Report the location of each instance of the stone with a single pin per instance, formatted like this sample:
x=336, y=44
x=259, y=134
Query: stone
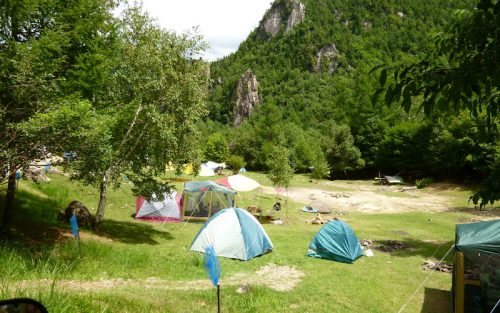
x=245, y=288
x=83, y=214
x=327, y=57
x=247, y=97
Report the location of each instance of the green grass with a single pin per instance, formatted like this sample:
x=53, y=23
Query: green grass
x=135, y=250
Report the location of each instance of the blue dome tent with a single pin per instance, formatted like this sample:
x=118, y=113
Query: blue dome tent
x=335, y=241
x=234, y=233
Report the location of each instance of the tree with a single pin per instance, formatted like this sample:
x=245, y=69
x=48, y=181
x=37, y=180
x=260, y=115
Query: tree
x=342, y=154
x=462, y=73
x=321, y=169
x=41, y=44
x=280, y=173
x=236, y=162
x=216, y=148
x=156, y=92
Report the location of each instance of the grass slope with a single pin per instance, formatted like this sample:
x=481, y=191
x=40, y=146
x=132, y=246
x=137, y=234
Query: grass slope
x=138, y=266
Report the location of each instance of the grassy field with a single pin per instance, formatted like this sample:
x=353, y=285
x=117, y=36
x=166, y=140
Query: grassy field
x=136, y=266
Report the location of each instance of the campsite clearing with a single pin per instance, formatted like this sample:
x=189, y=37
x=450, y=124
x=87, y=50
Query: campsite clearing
x=150, y=268
x=366, y=197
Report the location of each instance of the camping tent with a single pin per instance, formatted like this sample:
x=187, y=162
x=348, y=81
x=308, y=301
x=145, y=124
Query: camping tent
x=335, y=241
x=239, y=183
x=234, y=233
x=206, y=171
x=476, y=276
x=167, y=210
x=202, y=199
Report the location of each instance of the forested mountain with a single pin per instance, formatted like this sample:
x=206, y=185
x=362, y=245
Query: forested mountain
x=305, y=71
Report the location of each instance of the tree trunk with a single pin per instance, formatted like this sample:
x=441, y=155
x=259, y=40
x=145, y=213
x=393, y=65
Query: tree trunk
x=103, y=189
x=9, y=202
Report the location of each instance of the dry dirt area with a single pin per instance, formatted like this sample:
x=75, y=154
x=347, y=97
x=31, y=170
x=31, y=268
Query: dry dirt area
x=371, y=198
x=279, y=278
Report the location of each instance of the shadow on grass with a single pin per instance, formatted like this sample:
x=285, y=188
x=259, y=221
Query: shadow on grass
x=436, y=300
x=34, y=224
x=413, y=247
x=478, y=214
x=132, y=232
x=33, y=221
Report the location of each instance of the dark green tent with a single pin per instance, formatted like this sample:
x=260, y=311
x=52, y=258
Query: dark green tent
x=476, y=277
x=335, y=241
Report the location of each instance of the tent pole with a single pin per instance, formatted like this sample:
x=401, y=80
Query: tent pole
x=218, y=298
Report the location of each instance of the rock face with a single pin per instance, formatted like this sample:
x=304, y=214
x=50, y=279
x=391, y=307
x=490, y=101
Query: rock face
x=247, y=97
x=272, y=23
x=327, y=57
x=288, y=14
x=296, y=16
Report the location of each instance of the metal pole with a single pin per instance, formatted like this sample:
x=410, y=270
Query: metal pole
x=218, y=298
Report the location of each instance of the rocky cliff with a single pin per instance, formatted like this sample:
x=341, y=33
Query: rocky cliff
x=247, y=97
x=282, y=14
x=327, y=58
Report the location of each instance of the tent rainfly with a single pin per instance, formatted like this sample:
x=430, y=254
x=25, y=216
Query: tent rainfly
x=202, y=199
x=167, y=210
x=335, y=241
x=476, y=276
x=234, y=233
x=239, y=183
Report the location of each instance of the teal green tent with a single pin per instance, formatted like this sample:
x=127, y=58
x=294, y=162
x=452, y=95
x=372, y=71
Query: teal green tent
x=335, y=241
x=476, y=276
x=202, y=199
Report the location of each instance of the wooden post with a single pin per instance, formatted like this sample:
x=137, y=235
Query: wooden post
x=459, y=282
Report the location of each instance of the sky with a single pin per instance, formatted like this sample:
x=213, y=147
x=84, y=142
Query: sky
x=224, y=24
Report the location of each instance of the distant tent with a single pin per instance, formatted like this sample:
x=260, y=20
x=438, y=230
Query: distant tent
x=239, y=183
x=335, y=241
x=476, y=276
x=206, y=171
x=214, y=165
x=234, y=233
x=167, y=210
x=243, y=170
x=391, y=180
x=202, y=199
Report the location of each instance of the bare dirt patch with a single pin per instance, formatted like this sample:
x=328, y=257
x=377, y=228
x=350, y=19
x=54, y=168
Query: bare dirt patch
x=279, y=278
x=371, y=198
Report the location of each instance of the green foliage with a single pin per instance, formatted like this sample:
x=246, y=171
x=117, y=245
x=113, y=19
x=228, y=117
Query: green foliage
x=489, y=192
x=342, y=154
x=216, y=148
x=236, y=162
x=462, y=72
x=280, y=173
x=303, y=102
x=321, y=169
x=424, y=182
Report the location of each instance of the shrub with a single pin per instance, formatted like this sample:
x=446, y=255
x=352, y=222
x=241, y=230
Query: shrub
x=424, y=182
x=236, y=162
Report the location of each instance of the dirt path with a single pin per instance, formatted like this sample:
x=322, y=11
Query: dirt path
x=279, y=278
x=369, y=198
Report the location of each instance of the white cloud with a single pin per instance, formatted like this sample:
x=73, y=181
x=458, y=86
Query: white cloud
x=224, y=24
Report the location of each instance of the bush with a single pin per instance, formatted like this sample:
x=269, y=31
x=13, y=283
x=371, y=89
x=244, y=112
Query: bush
x=236, y=162
x=424, y=182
